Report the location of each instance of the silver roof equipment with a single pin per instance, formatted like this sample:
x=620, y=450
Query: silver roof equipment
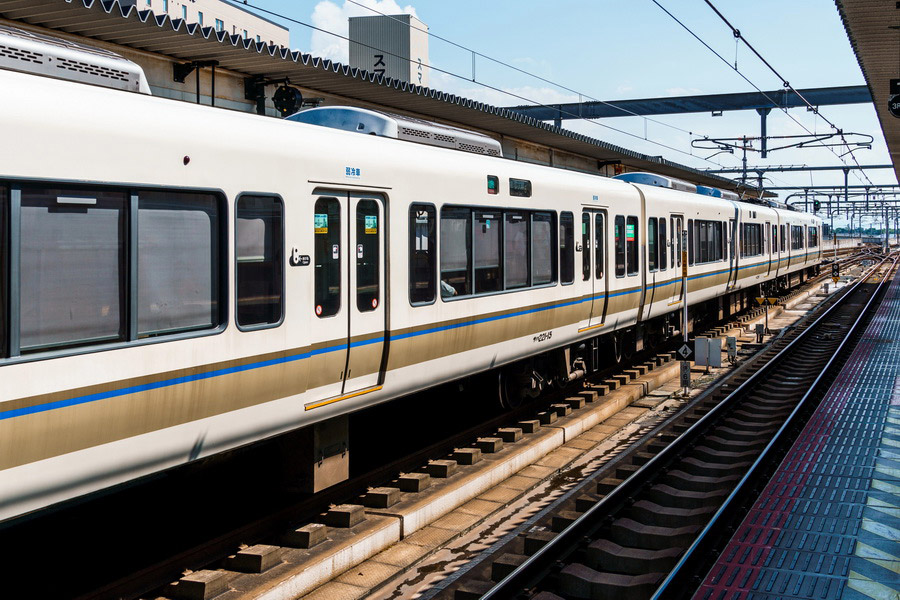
x=43, y=55
x=658, y=181
x=399, y=127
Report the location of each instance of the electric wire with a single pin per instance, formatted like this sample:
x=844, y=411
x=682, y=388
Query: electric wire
x=738, y=36
x=494, y=88
x=747, y=79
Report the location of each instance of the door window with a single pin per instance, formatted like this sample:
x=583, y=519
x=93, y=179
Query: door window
x=422, y=253
x=600, y=246
x=566, y=247
x=586, y=246
x=619, y=236
x=328, y=257
x=368, y=255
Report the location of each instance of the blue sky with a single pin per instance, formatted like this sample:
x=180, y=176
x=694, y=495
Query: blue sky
x=613, y=50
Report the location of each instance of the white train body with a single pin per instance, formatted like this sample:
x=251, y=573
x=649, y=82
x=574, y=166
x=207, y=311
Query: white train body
x=82, y=414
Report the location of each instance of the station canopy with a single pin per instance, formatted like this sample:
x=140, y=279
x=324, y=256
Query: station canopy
x=125, y=25
x=873, y=27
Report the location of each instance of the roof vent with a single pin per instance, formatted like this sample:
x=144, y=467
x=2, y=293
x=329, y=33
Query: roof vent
x=42, y=55
x=400, y=127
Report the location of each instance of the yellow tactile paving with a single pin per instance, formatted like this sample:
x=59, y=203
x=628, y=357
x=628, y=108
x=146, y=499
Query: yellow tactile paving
x=872, y=589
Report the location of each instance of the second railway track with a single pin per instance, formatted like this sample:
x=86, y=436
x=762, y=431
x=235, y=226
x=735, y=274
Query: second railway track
x=621, y=534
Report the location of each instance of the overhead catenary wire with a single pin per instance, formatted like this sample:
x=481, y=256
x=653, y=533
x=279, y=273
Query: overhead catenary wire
x=520, y=97
x=737, y=34
x=747, y=79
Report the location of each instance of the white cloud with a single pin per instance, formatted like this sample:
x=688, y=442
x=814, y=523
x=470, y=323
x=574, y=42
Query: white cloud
x=330, y=17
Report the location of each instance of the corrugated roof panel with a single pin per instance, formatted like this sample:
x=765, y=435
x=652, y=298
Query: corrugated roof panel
x=108, y=21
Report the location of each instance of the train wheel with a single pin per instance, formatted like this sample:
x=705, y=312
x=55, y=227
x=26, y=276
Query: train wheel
x=508, y=393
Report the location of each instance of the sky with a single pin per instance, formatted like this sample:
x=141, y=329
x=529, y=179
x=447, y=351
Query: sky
x=568, y=50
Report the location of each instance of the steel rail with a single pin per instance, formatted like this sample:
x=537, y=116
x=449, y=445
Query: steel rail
x=564, y=544
x=676, y=583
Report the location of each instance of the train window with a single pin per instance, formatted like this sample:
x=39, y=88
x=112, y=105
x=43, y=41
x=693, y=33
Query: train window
x=652, y=244
x=368, y=255
x=783, y=238
x=813, y=237
x=566, y=247
x=775, y=239
x=662, y=244
x=796, y=237
x=327, y=247
x=585, y=246
x=486, y=242
x=178, y=262
x=456, y=252
x=599, y=244
x=632, y=245
x=751, y=239
x=619, y=236
x=542, y=243
x=4, y=268
x=422, y=253
x=259, y=248
x=675, y=240
x=516, y=250
x=72, y=267
x=690, y=236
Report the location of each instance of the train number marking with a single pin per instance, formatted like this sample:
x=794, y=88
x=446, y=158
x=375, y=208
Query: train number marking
x=542, y=337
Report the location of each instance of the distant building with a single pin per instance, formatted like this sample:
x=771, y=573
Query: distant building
x=222, y=15
x=394, y=46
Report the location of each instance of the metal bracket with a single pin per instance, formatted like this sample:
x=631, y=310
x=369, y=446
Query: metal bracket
x=180, y=71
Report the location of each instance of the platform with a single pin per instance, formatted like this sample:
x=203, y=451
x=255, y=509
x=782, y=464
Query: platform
x=827, y=526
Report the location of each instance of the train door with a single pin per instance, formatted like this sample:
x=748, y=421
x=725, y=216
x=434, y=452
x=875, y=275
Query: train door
x=676, y=226
x=368, y=314
x=594, y=234
x=768, y=246
x=732, y=253
x=349, y=293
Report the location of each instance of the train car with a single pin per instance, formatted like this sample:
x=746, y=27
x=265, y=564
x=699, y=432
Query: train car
x=179, y=280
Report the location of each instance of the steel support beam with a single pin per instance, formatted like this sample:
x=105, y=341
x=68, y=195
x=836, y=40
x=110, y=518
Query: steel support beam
x=837, y=189
x=853, y=94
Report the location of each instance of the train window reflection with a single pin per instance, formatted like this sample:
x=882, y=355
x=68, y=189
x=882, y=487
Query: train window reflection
x=327, y=231
x=599, y=244
x=542, y=243
x=178, y=262
x=486, y=238
x=456, y=252
x=516, y=250
x=619, y=236
x=632, y=241
x=652, y=245
x=662, y=244
x=259, y=240
x=368, y=255
x=422, y=253
x=4, y=269
x=73, y=265
x=566, y=247
x=585, y=246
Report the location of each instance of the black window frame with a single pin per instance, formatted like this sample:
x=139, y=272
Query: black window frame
x=501, y=215
x=12, y=354
x=567, y=251
x=282, y=258
x=619, y=248
x=317, y=299
x=635, y=251
x=433, y=253
x=662, y=232
x=652, y=244
x=586, y=245
x=599, y=245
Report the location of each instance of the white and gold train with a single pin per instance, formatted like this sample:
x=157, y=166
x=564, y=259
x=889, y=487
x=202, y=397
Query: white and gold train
x=178, y=280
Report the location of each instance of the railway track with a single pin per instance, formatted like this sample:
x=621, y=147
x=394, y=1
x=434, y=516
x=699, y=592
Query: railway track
x=215, y=547
x=624, y=532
